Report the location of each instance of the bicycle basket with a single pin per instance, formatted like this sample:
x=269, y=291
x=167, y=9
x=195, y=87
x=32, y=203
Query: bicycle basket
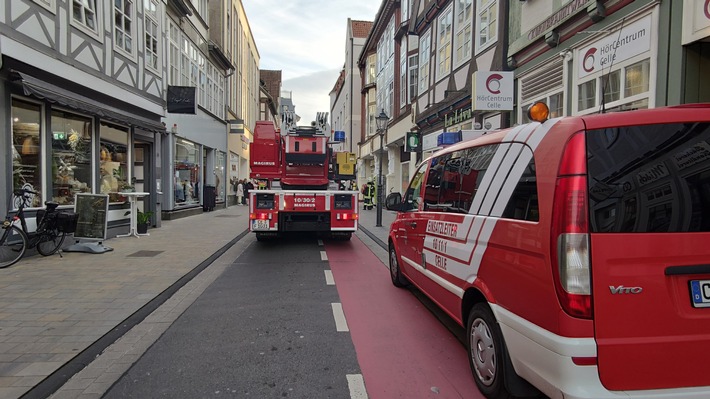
x=66, y=221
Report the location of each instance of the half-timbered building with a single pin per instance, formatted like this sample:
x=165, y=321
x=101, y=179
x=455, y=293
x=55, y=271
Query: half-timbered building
x=82, y=100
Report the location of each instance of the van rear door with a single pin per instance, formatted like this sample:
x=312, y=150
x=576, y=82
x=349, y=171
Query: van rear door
x=649, y=210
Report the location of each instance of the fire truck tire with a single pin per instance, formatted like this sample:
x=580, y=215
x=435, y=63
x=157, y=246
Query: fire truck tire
x=395, y=272
x=487, y=355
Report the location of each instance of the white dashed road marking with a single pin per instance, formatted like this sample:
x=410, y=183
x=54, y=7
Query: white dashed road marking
x=329, y=280
x=357, y=386
x=340, y=324
x=323, y=255
x=320, y=243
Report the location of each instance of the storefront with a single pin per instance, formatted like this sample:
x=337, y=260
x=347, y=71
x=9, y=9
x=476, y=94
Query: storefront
x=197, y=163
x=66, y=140
x=578, y=69
x=696, y=41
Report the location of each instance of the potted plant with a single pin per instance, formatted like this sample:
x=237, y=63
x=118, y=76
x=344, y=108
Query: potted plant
x=142, y=221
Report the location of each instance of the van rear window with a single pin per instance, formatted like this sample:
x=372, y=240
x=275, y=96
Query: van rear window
x=651, y=178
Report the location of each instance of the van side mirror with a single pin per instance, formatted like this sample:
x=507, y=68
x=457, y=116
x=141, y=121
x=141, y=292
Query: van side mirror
x=394, y=202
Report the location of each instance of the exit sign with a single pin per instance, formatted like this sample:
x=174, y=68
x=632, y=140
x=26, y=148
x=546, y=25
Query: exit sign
x=60, y=135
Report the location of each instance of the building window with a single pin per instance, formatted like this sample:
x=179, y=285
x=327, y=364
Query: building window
x=587, y=95
x=413, y=73
x=186, y=173
x=123, y=25
x=390, y=98
x=444, y=44
x=403, y=74
x=71, y=156
x=113, y=142
x=174, y=78
x=201, y=7
x=637, y=78
x=371, y=74
x=424, y=56
x=151, y=34
x=26, y=154
x=462, y=39
x=555, y=103
x=611, y=86
x=405, y=11
x=487, y=23
x=206, y=88
x=185, y=63
x=622, y=89
x=372, y=113
x=50, y=5
x=84, y=15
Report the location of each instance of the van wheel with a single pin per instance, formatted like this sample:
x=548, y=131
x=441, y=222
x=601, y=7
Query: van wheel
x=395, y=273
x=486, y=352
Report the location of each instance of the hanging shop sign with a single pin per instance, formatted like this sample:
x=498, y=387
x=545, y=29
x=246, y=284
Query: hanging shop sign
x=616, y=47
x=236, y=126
x=492, y=91
x=181, y=100
x=696, y=20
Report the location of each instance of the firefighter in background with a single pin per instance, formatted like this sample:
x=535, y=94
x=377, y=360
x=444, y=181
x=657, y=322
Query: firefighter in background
x=368, y=194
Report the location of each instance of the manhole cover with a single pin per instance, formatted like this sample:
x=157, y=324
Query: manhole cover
x=146, y=254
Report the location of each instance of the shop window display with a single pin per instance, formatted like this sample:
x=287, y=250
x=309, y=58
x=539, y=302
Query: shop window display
x=26, y=148
x=113, y=157
x=186, y=174
x=71, y=156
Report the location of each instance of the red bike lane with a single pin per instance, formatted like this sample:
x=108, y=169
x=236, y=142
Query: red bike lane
x=403, y=350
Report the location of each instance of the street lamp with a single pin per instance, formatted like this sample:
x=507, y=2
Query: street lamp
x=381, y=120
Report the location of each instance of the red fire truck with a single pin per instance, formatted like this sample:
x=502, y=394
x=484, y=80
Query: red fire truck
x=293, y=166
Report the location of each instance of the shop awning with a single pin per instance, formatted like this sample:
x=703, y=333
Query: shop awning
x=44, y=90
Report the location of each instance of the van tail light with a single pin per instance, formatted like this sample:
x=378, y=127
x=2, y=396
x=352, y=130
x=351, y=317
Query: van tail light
x=569, y=239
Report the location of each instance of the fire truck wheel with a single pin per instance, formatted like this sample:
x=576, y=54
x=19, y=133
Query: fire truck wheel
x=486, y=352
x=395, y=273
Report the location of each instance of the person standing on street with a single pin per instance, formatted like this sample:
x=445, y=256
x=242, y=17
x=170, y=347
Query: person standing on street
x=240, y=193
x=368, y=191
x=248, y=186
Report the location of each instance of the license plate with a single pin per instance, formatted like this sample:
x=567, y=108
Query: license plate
x=262, y=225
x=700, y=293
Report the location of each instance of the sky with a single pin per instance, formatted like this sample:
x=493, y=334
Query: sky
x=305, y=39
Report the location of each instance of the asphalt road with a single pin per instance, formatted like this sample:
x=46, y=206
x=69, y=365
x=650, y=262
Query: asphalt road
x=264, y=329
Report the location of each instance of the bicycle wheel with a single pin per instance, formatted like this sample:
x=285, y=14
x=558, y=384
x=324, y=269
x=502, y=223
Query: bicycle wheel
x=50, y=241
x=13, y=245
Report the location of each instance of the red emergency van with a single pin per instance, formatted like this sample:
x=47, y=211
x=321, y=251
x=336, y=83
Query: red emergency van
x=575, y=251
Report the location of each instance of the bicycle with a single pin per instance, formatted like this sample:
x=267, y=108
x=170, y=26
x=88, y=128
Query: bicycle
x=15, y=240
